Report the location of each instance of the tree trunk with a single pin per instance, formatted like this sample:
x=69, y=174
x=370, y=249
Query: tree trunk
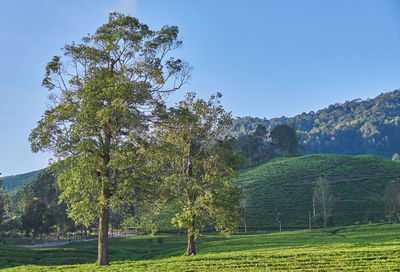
x=102, y=256
x=191, y=250
x=58, y=232
x=104, y=214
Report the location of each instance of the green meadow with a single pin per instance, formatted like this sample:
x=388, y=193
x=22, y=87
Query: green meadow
x=374, y=247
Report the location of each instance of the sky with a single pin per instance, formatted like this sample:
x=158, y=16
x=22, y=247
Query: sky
x=268, y=58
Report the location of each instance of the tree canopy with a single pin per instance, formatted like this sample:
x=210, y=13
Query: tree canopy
x=197, y=171
x=105, y=92
x=285, y=139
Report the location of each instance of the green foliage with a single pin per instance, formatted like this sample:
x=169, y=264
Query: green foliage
x=369, y=126
x=105, y=92
x=34, y=218
x=254, y=147
x=353, y=248
x=40, y=209
x=197, y=173
x=285, y=139
x=285, y=185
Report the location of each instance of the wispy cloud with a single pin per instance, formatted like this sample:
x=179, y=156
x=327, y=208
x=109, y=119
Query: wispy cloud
x=123, y=6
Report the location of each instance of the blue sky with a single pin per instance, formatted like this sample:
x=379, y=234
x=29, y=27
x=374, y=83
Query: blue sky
x=268, y=58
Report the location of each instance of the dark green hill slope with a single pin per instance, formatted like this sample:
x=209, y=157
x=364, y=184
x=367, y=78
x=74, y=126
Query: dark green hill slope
x=14, y=183
x=355, y=127
x=285, y=185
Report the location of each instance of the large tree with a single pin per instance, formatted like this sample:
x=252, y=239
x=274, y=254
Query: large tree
x=104, y=92
x=285, y=139
x=255, y=147
x=197, y=170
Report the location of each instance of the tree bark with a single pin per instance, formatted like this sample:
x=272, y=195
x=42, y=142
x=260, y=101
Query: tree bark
x=104, y=214
x=191, y=250
x=102, y=253
x=58, y=232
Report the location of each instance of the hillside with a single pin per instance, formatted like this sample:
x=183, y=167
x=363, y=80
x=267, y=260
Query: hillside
x=14, y=183
x=355, y=127
x=285, y=185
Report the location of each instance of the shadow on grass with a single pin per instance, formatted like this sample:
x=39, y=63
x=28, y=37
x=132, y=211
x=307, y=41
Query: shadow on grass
x=121, y=249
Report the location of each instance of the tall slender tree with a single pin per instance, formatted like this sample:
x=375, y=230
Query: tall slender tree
x=323, y=199
x=104, y=92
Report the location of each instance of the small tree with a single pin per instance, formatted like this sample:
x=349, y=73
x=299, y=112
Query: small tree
x=392, y=199
x=244, y=203
x=278, y=219
x=323, y=199
x=198, y=171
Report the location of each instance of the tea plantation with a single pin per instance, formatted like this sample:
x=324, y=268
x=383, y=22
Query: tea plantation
x=285, y=185
x=374, y=247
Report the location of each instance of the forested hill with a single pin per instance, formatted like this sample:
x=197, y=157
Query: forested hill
x=369, y=126
x=14, y=183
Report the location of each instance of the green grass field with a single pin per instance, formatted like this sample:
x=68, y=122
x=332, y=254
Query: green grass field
x=285, y=185
x=373, y=247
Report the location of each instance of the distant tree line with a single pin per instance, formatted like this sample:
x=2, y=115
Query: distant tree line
x=262, y=145
x=355, y=127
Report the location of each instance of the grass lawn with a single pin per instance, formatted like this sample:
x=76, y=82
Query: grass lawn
x=353, y=248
